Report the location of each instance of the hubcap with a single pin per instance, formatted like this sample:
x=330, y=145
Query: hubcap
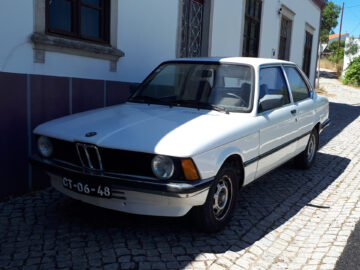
x=222, y=197
x=311, y=148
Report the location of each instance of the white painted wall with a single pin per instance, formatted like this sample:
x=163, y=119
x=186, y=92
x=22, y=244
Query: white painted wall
x=227, y=27
x=146, y=34
x=305, y=12
x=348, y=59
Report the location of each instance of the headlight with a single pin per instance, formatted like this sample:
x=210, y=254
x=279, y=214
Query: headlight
x=45, y=146
x=162, y=167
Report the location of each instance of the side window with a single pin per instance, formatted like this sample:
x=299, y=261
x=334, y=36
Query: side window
x=299, y=89
x=273, y=90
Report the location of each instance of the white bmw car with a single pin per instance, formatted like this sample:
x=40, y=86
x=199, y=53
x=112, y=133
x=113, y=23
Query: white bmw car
x=189, y=138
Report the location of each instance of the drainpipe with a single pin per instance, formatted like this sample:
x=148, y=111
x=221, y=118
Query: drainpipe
x=318, y=54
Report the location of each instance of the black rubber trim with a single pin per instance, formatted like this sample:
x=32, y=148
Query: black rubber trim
x=326, y=123
x=247, y=163
x=123, y=182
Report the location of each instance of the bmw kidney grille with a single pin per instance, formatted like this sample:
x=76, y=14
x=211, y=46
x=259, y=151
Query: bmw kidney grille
x=89, y=156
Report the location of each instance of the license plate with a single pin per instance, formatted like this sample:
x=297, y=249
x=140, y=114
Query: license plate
x=98, y=190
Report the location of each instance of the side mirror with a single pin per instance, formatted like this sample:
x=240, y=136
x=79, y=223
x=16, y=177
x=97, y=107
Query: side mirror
x=269, y=102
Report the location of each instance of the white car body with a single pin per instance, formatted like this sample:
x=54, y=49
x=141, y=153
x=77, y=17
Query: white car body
x=263, y=141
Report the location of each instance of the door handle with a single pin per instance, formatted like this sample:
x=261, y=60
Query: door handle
x=293, y=111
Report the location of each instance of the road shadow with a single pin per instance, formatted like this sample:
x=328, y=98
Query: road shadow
x=329, y=74
x=262, y=207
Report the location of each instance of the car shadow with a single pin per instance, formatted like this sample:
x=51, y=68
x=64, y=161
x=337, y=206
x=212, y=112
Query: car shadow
x=263, y=206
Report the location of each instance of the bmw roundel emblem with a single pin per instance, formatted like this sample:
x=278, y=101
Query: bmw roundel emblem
x=91, y=134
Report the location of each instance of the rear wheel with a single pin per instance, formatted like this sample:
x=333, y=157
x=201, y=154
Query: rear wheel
x=306, y=158
x=220, y=203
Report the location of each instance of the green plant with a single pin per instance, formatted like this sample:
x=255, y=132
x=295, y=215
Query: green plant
x=352, y=48
x=333, y=48
x=352, y=74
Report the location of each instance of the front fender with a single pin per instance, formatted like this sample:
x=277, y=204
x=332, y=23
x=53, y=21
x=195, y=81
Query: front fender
x=210, y=162
x=226, y=153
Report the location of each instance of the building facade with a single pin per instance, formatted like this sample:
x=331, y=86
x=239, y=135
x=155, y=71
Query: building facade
x=60, y=57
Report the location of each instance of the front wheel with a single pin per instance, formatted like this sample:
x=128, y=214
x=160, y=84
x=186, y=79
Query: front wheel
x=220, y=203
x=305, y=159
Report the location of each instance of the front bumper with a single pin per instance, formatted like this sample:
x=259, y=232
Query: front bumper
x=132, y=194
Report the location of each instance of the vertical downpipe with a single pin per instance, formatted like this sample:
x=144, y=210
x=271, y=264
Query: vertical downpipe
x=105, y=92
x=28, y=103
x=70, y=96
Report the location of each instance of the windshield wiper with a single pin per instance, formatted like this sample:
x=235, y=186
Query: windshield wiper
x=200, y=105
x=218, y=108
x=150, y=100
x=190, y=102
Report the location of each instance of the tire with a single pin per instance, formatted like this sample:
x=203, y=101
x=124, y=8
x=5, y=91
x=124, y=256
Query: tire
x=220, y=203
x=306, y=158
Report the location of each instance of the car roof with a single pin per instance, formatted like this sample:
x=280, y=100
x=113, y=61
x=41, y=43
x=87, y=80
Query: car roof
x=235, y=60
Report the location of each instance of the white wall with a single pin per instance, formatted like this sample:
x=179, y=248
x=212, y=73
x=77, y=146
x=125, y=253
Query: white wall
x=305, y=12
x=227, y=25
x=146, y=34
x=348, y=59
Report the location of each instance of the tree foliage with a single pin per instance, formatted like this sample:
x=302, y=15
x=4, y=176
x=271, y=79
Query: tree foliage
x=352, y=75
x=329, y=19
x=333, y=48
x=352, y=48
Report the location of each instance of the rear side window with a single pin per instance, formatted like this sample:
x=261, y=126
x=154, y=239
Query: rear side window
x=299, y=89
x=273, y=92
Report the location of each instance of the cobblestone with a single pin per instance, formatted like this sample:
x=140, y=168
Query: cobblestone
x=289, y=219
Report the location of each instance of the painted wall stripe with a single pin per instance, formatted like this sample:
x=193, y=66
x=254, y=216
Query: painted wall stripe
x=28, y=104
x=105, y=93
x=70, y=95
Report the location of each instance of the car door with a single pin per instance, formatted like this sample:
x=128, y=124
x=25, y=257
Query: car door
x=304, y=105
x=277, y=120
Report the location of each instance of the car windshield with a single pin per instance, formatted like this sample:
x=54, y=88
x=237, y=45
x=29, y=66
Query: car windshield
x=226, y=87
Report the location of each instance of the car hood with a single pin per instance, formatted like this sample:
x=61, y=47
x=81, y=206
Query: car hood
x=176, y=131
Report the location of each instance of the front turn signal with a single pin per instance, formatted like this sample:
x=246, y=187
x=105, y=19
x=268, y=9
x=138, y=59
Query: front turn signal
x=189, y=169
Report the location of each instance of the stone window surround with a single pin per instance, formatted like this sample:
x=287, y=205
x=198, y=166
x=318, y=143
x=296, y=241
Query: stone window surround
x=207, y=28
x=309, y=28
x=289, y=15
x=43, y=42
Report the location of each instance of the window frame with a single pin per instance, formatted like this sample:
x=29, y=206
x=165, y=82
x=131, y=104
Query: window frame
x=307, y=49
x=104, y=27
x=305, y=80
x=246, y=32
x=288, y=38
x=291, y=102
